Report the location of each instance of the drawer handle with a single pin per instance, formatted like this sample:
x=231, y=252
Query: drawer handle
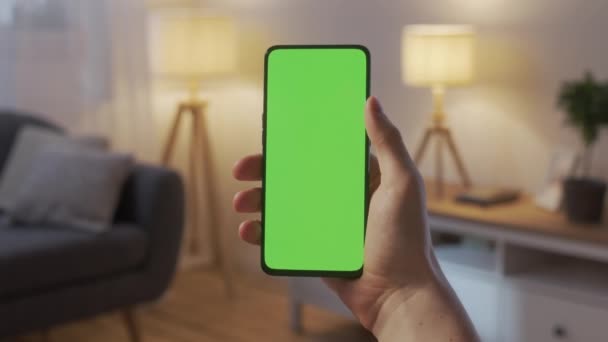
x=559, y=331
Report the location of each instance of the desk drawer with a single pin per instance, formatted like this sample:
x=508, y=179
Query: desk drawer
x=530, y=316
x=479, y=296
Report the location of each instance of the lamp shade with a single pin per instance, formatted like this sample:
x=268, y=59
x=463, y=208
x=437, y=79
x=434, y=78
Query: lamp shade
x=192, y=46
x=438, y=55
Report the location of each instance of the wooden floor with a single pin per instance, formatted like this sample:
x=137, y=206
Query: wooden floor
x=196, y=309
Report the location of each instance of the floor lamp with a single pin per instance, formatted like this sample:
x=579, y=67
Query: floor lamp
x=187, y=48
x=439, y=56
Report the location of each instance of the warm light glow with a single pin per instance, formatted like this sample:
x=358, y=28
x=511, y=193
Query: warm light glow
x=438, y=55
x=192, y=46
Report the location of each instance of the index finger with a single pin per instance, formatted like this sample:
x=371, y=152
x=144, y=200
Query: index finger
x=248, y=168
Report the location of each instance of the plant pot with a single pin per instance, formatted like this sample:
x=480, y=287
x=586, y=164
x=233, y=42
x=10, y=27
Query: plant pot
x=584, y=199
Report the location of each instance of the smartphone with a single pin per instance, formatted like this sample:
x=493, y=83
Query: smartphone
x=315, y=167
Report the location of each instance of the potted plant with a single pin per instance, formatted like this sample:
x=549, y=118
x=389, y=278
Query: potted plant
x=586, y=105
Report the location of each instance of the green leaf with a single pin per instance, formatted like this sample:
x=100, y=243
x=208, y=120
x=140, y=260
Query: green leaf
x=585, y=102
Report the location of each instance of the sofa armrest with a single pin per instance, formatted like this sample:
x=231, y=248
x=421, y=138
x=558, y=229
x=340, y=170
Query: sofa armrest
x=153, y=199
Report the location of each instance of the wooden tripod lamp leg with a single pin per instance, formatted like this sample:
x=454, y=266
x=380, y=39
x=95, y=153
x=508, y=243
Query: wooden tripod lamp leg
x=194, y=191
x=192, y=237
x=466, y=181
x=439, y=165
x=442, y=135
x=422, y=147
x=203, y=145
x=170, y=145
x=199, y=165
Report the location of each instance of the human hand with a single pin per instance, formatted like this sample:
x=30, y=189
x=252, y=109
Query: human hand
x=398, y=258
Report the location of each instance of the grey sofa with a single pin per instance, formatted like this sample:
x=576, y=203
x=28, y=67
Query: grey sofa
x=50, y=276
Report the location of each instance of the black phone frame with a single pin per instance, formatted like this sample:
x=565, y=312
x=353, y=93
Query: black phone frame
x=312, y=273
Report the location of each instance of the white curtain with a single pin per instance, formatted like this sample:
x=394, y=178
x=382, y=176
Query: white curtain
x=81, y=64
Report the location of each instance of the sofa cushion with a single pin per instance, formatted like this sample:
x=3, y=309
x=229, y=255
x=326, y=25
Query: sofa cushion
x=30, y=142
x=36, y=258
x=10, y=124
x=74, y=187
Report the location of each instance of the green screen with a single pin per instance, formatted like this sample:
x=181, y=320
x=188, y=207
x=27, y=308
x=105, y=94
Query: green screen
x=315, y=159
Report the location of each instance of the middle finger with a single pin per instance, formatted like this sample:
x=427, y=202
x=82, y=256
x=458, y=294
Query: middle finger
x=248, y=201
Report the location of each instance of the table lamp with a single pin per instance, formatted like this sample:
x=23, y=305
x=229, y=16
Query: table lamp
x=188, y=48
x=439, y=56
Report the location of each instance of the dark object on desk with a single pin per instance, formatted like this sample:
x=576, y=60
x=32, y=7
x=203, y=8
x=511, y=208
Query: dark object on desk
x=486, y=197
x=584, y=199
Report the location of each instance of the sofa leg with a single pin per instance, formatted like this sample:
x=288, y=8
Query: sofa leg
x=45, y=336
x=129, y=318
x=295, y=316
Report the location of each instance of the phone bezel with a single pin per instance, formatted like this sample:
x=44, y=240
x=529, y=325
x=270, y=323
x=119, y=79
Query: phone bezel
x=312, y=273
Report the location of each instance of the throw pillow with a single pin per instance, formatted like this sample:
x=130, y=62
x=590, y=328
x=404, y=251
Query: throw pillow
x=79, y=188
x=28, y=143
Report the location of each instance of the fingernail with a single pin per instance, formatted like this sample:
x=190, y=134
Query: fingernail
x=376, y=104
x=376, y=107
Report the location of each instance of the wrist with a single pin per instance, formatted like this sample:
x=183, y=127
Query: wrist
x=391, y=314
x=429, y=312
x=397, y=300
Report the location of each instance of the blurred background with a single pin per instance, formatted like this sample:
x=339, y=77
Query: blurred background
x=173, y=90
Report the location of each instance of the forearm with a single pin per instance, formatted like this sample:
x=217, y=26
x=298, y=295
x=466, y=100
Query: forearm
x=429, y=313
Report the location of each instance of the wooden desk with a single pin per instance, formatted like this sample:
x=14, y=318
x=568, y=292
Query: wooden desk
x=543, y=278
x=522, y=215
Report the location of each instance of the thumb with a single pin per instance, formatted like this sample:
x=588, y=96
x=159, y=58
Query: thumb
x=386, y=139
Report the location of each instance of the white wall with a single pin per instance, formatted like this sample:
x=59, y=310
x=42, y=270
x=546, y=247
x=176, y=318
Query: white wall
x=506, y=124
x=80, y=64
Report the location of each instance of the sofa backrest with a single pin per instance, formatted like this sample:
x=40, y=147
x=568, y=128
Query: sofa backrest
x=11, y=123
